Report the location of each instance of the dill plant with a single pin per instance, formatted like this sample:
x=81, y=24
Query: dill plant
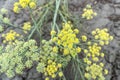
x=51, y=57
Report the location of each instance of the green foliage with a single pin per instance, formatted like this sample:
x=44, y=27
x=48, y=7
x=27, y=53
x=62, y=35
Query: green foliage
x=18, y=56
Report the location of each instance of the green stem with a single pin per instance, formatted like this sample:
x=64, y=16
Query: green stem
x=55, y=14
x=57, y=28
x=78, y=67
x=11, y=25
x=35, y=24
x=64, y=77
x=66, y=5
x=45, y=5
x=62, y=16
x=40, y=23
x=42, y=18
x=74, y=69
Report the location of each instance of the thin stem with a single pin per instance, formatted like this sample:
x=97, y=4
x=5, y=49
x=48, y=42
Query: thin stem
x=44, y=6
x=74, y=69
x=35, y=25
x=66, y=5
x=11, y=25
x=42, y=18
x=57, y=28
x=40, y=23
x=55, y=14
x=80, y=72
x=64, y=77
x=62, y=16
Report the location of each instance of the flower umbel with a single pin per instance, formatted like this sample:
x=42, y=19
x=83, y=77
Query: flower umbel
x=23, y=4
x=10, y=37
x=67, y=39
x=88, y=13
x=27, y=27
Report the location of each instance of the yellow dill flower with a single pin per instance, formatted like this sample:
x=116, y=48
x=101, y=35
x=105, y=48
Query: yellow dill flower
x=96, y=37
x=52, y=68
x=93, y=69
x=85, y=51
x=10, y=36
x=47, y=78
x=88, y=12
x=76, y=41
x=85, y=60
x=106, y=42
x=101, y=64
x=67, y=38
x=87, y=75
x=111, y=37
x=93, y=32
x=88, y=54
x=89, y=42
x=67, y=25
x=58, y=42
x=53, y=75
x=27, y=27
x=76, y=31
x=88, y=62
x=93, y=54
x=94, y=50
x=54, y=39
x=103, y=36
x=60, y=74
x=23, y=4
x=102, y=54
x=53, y=32
x=16, y=9
x=26, y=1
x=55, y=49
x=84, y=38
x=101, y=43
x=16, y=4
x=105, y=71
x=95, y=59
x=59, y=65
x=49, y=61
x=78, y=49
x=70, y=46
x=32, y=5
x=66, y=52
